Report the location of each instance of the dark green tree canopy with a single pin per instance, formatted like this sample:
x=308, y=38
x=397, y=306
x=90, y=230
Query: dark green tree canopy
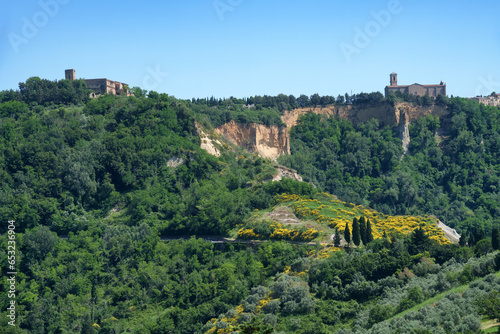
x=347, y=234
x=356, y=234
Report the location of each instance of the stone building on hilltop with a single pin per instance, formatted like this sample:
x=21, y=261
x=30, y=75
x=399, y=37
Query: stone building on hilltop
x=492, y=100
x=415, y=89
x=101, y=86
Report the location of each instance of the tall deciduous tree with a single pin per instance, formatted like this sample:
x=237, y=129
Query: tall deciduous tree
x=38, y=243
x=315, y=99
x=303, y=100
x=356, y=236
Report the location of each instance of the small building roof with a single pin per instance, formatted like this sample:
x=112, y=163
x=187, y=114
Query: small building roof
x=416, y=84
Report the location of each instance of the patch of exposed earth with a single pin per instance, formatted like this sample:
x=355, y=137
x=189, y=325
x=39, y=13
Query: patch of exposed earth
x=283, y=215
x=343, y=243
x=117, y=208
x=490, y=324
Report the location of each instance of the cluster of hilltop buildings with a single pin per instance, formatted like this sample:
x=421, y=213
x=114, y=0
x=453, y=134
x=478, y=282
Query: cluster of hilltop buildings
x=433, y=91
x=492, y=100
x=106, y=86
x=415, y=89
x=101, y=86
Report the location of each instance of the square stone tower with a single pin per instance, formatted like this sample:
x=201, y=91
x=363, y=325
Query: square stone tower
x=394, y=79
x=70, y=74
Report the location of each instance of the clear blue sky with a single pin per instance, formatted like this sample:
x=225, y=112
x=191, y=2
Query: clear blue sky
x=188, y=48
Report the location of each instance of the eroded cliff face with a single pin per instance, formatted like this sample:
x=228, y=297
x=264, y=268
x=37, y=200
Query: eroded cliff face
x=386, y=114
x=268, y=141
x=272, y=141
x=407, y=112
x=290, y=117
x=398, y=116
x=212, y=146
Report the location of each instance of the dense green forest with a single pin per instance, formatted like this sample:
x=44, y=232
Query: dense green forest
x=94, y=185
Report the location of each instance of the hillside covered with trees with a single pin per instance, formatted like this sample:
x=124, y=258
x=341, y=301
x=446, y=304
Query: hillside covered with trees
x=111, y=198
x=451, y=170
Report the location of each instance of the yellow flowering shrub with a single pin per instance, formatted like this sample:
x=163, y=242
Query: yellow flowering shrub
x=325, y=252
x=277, y=231
x=335, y=213
x=231, y=321
x=247, y=233
x=262, y=303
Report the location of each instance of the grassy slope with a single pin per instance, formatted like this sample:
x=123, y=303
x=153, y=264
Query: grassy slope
x=490, y=326
x=325, y=212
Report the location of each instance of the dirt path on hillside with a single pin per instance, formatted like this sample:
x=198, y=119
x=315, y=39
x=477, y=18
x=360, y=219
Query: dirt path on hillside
x=489, y=324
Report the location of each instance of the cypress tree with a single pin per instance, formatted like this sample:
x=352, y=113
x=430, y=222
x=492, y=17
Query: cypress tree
x=347, y=234
x=495, y=238
x=419, y=241
x=369, y=232
x=478, y=235
x=356, y=238
x=472, y=240
x=362, y=230
x=336, y=239
x=462, y=241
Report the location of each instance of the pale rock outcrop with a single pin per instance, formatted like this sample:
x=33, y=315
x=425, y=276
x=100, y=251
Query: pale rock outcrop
x=208, y=144
x=283, y=172
x=268, y=141
x=450, y=233
x=175, y=162
x=385, y=113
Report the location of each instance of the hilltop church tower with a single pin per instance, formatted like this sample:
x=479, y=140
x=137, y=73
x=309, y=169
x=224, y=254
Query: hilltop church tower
x=415, y=89
x=394, y=79
x=70, y=75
